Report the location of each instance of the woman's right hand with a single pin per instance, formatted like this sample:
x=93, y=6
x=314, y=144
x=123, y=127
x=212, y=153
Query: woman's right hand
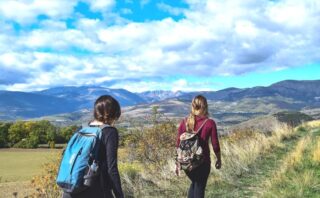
x=177, y=169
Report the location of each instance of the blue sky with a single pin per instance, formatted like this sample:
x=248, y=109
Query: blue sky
x=157, y=45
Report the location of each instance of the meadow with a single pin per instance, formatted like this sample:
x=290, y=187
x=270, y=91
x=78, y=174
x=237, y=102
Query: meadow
x=284, y=163
x=18, y=166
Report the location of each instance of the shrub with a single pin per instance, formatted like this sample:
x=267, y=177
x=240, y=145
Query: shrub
x=45, y=183
x=27, y=143
x=293, y=118
x=153, y=145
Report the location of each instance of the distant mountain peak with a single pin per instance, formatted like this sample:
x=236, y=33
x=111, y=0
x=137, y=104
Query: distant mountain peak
x=158, y=95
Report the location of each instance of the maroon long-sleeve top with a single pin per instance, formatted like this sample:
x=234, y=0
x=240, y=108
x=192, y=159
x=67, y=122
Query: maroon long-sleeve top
x=209, y=129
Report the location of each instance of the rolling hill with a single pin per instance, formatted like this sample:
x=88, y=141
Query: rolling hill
x=26, y=105
x=85, y=96
x=21, y=105
x=228, y=106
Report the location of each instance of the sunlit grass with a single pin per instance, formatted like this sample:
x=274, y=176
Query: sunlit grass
x=297, y=176
x=241, y=149
x=313, y=124
x=22, y=164
x=316, y=152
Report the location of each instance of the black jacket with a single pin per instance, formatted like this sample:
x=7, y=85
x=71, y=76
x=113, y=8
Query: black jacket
x=108, y=184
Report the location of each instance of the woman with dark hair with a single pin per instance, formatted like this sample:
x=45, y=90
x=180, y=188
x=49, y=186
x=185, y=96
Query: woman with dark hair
x=107, y=185
x=198, y=120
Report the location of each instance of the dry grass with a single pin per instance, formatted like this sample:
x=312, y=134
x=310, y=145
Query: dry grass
x=22, y=188
x=296, y=176
x=296, y=156
x=313, y=124
x=241, y=149
x=316, y=152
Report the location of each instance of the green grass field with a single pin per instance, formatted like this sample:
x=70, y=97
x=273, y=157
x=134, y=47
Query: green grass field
x=22, y=164
x=18, y=166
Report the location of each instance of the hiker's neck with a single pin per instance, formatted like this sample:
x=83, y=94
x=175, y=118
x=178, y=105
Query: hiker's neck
x=96, y=122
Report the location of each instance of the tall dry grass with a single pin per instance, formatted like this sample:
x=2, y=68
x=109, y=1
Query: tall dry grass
x=313, y=124
x=241, y=149
x=295, y=157
x=316, y=152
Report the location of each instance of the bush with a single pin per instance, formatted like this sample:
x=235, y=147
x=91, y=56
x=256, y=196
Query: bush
x=292, y=118
x=45, y=184
x=153, y=145
x=27, y=143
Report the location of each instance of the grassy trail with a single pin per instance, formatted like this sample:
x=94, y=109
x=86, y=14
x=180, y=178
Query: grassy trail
x=253, y=182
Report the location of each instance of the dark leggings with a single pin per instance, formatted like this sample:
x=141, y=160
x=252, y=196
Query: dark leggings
x=198, y=177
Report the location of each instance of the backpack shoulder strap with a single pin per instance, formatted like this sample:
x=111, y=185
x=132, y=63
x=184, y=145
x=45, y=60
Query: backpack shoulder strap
x=204, y=122
x=98, y=140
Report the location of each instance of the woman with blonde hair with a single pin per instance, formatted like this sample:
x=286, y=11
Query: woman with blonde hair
x=198, y=120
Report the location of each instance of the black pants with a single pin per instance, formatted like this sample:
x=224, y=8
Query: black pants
x=198, y=177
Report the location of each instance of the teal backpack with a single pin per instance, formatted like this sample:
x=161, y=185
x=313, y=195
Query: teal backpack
x=80, y=163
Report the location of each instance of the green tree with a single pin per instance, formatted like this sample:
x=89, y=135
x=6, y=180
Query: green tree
x=31, y=133
x=17, y=132
x=68, y=131
x=46, y=131
x=4, y=134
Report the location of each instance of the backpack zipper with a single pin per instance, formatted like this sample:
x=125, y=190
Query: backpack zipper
x=79, y=153
x=87, y=134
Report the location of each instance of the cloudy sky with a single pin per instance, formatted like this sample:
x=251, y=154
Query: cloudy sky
x=151, y=45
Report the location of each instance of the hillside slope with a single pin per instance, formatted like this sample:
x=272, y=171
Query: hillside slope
x=289, y=169
x=20, y=105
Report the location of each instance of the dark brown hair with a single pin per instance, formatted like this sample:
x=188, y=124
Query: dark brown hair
x=106, y=109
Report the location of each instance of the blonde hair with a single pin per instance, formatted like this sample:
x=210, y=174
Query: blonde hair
x=199, y=106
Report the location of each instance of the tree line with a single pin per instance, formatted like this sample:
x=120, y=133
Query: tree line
x=30, y=134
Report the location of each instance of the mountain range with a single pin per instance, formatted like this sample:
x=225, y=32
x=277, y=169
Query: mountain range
x=225, y=104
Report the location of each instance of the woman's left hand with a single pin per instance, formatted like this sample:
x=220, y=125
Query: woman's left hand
x=218, y=164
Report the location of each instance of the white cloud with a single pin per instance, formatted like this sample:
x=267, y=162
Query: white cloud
x=26, y=12
x=170, y=9
x=176, y=85
x=58, y=39
x=100, y=5
x=215, y=38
